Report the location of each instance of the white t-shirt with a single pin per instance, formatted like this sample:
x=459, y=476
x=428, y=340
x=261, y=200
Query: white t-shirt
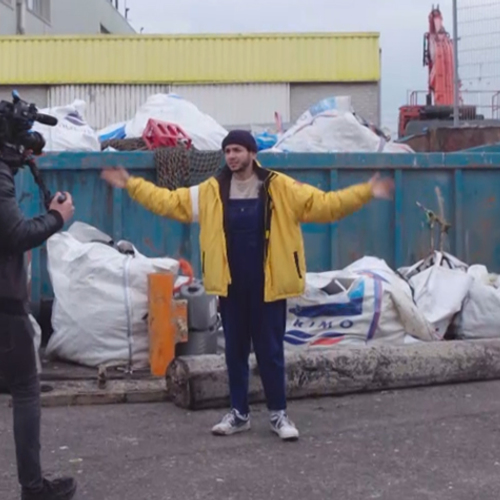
x=245, y=190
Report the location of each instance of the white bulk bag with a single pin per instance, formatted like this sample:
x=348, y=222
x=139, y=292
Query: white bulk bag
x=330, y=126
x=480, y=315
x=101, y=300
x=366, y=303
x=441, y=285
x=72, y=132
x=203, y=130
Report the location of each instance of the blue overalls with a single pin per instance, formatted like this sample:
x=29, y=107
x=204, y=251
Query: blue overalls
x=246, y=317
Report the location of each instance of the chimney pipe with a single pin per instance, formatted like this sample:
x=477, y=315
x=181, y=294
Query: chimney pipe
x=21, y=17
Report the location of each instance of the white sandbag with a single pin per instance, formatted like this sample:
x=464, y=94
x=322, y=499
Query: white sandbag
x=203, y=130
x=330, y=126
x=440, y=285
x=480, y=315
x=364, y=304
x=72, y=133
x=101, y=300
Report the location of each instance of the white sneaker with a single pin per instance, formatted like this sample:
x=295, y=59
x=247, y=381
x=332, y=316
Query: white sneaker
x=283, y=426
x=232, y=423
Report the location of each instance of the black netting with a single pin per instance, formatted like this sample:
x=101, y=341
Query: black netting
x=178, y=167
x=125, y=145
x=175, y=166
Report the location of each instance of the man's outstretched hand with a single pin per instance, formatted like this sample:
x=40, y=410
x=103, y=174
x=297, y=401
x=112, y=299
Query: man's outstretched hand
x=116, y=176
x=382, y=189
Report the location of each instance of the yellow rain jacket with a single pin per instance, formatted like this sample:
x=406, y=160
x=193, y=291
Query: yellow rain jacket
x=288, y=203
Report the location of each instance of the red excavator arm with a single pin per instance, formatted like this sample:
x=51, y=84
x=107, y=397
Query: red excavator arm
x=438, y=56
x=437, y=112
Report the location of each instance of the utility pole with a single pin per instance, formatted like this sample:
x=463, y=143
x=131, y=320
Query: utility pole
x=455, y=64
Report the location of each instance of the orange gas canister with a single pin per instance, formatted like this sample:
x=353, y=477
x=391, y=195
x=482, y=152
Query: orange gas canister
x=167, y=322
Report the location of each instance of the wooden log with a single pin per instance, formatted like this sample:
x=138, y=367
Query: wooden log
x=200, y=382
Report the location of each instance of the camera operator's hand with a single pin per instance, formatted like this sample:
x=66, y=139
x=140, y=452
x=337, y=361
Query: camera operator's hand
x=116, y=176
x=66, y=208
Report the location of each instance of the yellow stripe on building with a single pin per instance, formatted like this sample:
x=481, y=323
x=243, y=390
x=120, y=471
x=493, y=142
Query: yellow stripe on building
x=139, y=59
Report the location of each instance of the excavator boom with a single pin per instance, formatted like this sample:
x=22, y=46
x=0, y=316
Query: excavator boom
x=438, y=56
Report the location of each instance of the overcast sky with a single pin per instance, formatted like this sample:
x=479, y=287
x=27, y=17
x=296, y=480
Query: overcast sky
x=401, y=24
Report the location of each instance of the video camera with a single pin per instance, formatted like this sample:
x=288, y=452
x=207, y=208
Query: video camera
x=16, y=121
x=22, y=143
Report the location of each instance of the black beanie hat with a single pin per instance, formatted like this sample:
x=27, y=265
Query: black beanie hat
x=240, y=138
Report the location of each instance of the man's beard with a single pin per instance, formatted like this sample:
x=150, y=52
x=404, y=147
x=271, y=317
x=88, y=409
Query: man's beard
x=243, y=167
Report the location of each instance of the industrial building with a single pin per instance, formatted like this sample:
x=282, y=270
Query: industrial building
x=61, y=17
x=240, y=80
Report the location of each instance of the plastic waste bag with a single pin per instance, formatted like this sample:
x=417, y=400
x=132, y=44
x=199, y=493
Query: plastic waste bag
x=101, y=298
x=363, y=304
x=112, y=132
x=480, y=314
x=330, y=126
x=440, y=284
x=72, y=133
x=204, y=131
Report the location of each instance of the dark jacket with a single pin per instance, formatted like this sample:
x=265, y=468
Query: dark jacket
x=18, y=235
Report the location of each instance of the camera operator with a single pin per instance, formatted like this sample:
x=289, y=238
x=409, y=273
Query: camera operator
x=17, y=352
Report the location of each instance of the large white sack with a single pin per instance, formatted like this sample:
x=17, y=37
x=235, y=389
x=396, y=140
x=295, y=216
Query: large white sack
x=480, y=315
x=440, y=284
x=205, y=133
x=101, y=300
x=330, y=126
x=364, y=304
x=72, y=133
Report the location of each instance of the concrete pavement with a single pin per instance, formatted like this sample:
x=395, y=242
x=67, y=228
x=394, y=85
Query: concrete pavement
x=438, y=443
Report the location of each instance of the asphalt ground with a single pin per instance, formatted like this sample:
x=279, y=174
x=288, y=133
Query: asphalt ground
x=439, y=443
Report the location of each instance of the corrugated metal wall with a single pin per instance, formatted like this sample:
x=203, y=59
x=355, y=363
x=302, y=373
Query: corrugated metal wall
x=30, y=93
x=106, y=104
x=243, y=104
x=231, y=105
x=269, y=58
x=365, y=97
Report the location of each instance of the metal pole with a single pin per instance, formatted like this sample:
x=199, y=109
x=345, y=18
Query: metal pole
x=456, y=81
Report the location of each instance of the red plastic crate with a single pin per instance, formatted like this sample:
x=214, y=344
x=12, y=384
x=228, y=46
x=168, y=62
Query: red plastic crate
x=163, y=134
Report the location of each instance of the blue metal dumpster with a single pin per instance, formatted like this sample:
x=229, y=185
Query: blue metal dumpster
x=395, y=231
